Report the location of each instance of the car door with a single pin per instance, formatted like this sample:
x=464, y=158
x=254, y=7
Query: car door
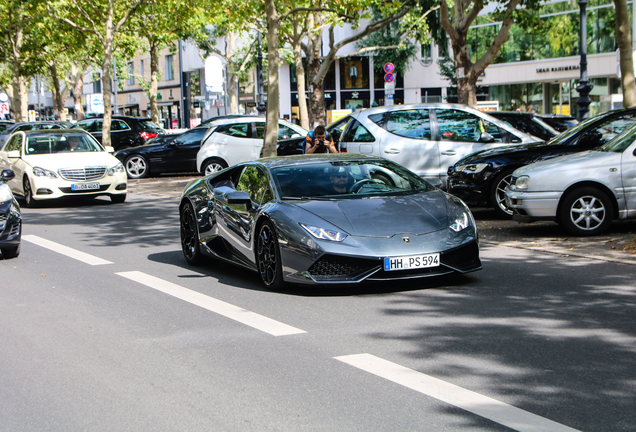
x=462, y=133
x=180, y=155
x=234, y=143
x=16, y=164
x=409, y=140
x=628, y=174
x=121, y=135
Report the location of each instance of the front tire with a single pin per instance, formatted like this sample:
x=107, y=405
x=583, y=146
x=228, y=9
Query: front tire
x=118, y=199
x=28, y=193
x=190, y=236
x=9, y=253
x=137, y=167
x=268, y=257
x=498, y=194
x=586, y=211
x=212, y=166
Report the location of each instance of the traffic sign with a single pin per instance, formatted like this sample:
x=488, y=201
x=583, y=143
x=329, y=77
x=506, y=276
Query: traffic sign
x=389, y=77
x=4, y=108
x=389, y=68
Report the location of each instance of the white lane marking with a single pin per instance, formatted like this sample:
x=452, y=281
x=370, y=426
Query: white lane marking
x=65, y=250
x=492, y=409
x=228, y=310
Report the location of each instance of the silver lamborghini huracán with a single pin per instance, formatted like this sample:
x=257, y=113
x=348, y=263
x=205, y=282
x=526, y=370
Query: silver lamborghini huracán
x=324, y=219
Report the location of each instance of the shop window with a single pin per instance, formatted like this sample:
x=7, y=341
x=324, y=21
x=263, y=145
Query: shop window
x=354, y=73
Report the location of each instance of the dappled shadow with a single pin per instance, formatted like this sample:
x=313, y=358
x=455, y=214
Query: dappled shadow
x=556, y=337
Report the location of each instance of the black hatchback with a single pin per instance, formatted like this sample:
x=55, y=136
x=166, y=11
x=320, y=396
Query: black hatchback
x=480, y=179
x=125, y=131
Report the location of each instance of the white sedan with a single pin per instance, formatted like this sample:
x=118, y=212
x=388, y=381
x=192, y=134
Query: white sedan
x=62, y=163
x=583, y=192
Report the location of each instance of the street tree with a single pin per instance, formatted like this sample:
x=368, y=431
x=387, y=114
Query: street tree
x=623, y=37
x=464, y=13
x=104, y=20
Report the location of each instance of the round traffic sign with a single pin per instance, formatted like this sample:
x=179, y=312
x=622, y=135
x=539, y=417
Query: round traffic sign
x=389, y=77
x=389, y=68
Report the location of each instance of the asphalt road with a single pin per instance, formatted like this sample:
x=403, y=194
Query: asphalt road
x=104, y=327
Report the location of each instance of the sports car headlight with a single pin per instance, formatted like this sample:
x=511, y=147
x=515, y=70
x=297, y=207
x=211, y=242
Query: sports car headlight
x=119, y=168
x=5, y=193
x=459, y=217
x=472, y=168
x=522, y=183
x=41, y=172
x=324, y=234
x=460, y=223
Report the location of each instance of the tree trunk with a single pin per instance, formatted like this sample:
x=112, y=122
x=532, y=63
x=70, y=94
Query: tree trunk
x=625, y=47
x=317, y=114
x=59, y=95
x=106, y=85
x=271, y=129
x=300, y=76
x=78, y=85
x=232, y=76
x=18, y=86
x=154, y=69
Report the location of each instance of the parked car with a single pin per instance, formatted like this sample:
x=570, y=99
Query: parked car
x=125, y=131
x=480, y=179
x=4, y=124
x=238, y=139
x=322, y=219
x=28, y=126
x=10, y=218
x=47, y=168
x=425, y=138
x=584, y=192
x=558, y=121
x=164, y=154
x=526, y=122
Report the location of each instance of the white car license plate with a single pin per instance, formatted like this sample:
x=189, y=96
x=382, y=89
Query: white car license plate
x=84, y=186
x=411, y=262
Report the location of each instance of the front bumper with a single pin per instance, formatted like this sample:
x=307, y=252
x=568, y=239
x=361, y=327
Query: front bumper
x=10, y=224
x=45, y=188
x=533, y=206
x=470, y=188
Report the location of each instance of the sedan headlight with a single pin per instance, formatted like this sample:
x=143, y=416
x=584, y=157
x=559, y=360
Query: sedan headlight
x=324, y=234
x=522, y=183
x=119, y=168
x=41, y=172
x=5, y=193
x=472, y=168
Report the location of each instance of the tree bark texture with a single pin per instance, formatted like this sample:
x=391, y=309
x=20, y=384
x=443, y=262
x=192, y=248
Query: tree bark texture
x=623, y=37
x=152, y=91
x=273, y=102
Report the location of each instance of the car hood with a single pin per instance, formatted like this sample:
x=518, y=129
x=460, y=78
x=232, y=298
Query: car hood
x=64, y=160
x=565, y=168
x=503, y=150
x=378, y=216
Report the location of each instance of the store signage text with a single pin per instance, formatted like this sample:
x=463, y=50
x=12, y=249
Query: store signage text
x=558, y=69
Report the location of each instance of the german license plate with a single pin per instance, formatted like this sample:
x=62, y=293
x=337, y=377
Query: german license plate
x=84, y=186
x=411, y=262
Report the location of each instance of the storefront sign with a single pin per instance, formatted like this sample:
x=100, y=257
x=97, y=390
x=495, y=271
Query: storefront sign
x=558, y=69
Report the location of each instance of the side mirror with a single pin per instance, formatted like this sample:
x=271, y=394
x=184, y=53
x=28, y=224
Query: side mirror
x=109, y=149
x=295, y=135
x=336, y=134
x=239, y=197
x=7, y=175
x=14, y=154
x=634, y=152
x=486, y=137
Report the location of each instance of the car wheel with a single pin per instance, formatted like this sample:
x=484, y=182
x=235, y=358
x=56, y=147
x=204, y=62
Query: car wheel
x=136, y=167
x=28, y=193
x=190, y=236
x=118, y=199
x=268, y=257
x=586, y=211
x=212, y=166
x=498, y=194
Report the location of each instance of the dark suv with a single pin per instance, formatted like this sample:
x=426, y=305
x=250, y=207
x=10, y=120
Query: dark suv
x=125, y=132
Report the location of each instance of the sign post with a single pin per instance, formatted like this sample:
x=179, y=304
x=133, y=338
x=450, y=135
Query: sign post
x=389, y=84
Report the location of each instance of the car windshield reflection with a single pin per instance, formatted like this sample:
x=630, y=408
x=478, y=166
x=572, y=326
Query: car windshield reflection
x=620, y=142
x=61, y=143
x=346, y=179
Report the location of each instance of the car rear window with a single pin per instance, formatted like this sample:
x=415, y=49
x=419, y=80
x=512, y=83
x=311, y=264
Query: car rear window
x=147, y=125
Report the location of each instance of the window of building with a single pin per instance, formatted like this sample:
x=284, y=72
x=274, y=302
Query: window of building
x=354, y=73
x=131, y=73
x=426, y=54
x=141, y=68
x=97, y=82
x=169, y=67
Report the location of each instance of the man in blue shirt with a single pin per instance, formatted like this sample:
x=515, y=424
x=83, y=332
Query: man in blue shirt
x=319, y=141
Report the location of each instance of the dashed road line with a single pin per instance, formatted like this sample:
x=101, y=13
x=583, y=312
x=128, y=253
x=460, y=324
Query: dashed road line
x=65, y=250
x=483, y=406
x=220, y=307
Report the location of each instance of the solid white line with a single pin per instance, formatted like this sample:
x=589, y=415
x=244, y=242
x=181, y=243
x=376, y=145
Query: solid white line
x=65, y=250
x=236, y=313
x=499, y=412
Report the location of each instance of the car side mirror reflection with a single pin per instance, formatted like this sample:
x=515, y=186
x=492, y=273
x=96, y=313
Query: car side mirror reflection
x=239, y=197
x=486, y=137
x=7, y=175
x=109, y=149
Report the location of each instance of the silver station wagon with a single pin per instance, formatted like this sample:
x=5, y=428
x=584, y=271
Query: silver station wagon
x=425, y=138
x=583, y=192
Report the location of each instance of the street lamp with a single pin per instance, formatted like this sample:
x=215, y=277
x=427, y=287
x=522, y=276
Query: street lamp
x=259, y=80
x=584, y=88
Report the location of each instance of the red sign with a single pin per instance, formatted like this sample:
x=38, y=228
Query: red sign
x=389, y=68
x=389, y=77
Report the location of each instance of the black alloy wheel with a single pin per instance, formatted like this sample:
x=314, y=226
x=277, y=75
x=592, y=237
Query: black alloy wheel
x=189, y=236
x=586, y=211
x=498, y=194
x=268, y=257
x=28, y=193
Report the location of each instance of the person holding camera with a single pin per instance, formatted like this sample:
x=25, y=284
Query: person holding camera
x=319, y=141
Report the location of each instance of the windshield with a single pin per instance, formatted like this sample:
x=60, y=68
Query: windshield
x=560, y=139
x=346, y=179
x=620, y=142
x=61, y=143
